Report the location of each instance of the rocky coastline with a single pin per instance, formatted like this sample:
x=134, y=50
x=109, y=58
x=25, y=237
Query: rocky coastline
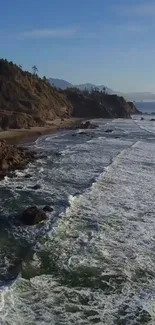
x=13, y=157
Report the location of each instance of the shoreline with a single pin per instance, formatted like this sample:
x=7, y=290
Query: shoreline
x=18, y=136
x=13, y=156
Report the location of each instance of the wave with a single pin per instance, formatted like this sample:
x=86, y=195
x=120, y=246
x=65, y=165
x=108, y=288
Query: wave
x=95, y=262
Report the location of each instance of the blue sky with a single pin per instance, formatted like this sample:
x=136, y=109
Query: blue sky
x=107, y=42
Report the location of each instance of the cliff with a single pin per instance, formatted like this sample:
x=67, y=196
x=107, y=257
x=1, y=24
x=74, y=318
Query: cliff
x=27, y=100
x=98, y=104
x=133, y=108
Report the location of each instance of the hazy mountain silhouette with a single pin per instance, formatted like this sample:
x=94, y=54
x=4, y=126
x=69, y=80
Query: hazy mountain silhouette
x=133, y=96
x=60, y=83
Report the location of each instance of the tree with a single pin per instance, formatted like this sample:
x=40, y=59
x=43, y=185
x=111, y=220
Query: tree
x=104, y=90
x=45, y=79
x=35, y=70
x=20, y=66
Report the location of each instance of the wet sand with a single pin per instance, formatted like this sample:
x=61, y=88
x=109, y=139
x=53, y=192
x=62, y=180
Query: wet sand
x=16, y=136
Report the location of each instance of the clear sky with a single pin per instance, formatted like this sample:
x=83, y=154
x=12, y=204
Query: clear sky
x=109, y=42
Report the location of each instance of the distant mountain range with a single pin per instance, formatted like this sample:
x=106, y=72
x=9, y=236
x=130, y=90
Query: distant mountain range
x=134, y=96
x=63, y=84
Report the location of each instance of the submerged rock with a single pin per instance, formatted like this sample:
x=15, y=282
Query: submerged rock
x=33, y=216
x=109, y=131
x=47, y=208
x=27, y=176
x=36, y=187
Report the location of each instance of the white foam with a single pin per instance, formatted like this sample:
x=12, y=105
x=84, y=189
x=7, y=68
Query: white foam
x=146, y=124
x=122, y=204
x=107, y=232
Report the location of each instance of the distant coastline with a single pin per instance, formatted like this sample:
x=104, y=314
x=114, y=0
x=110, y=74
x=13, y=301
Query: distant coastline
x=146, y=107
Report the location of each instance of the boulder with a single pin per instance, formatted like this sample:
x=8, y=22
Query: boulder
x=109, y=131
x=152, y=120
x=47, y=208
x=142, y=118
x=33, y=216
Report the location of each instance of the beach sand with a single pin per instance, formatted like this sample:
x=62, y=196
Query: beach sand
x=16, y=136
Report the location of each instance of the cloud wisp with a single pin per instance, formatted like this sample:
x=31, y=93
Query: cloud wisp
x=47, y=33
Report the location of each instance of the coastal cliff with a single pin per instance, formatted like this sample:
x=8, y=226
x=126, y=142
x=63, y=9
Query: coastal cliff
x=26, y=100
x=98, y=104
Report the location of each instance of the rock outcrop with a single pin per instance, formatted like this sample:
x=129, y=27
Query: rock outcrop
x=12, y=158
x=84, y=126
x=19, y=120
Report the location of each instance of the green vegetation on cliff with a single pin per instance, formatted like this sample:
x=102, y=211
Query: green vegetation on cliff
x=27, y=100
x=97, y=103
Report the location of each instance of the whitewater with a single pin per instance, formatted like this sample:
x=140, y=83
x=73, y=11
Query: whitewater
x=93, y=261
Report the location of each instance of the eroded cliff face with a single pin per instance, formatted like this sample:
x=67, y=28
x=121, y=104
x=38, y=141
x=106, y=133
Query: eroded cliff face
x=27, y=99
x=133, y=108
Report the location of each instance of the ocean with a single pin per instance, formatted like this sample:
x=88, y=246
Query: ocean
x=93, y=261
x=146, y=107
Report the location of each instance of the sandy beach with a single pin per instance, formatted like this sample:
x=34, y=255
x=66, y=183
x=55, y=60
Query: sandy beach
x=16, y=136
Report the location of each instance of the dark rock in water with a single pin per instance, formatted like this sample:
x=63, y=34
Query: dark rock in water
x=74, y=135
x=36, y=187
x=57, y=154
x=142, y=118
x=152, y=120
x=109, y=131
x=88, y=125
x=28, y=176
x=47, y=208
x=33, y=216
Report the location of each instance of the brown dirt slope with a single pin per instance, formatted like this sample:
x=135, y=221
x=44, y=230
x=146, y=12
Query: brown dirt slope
x=27, y=100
